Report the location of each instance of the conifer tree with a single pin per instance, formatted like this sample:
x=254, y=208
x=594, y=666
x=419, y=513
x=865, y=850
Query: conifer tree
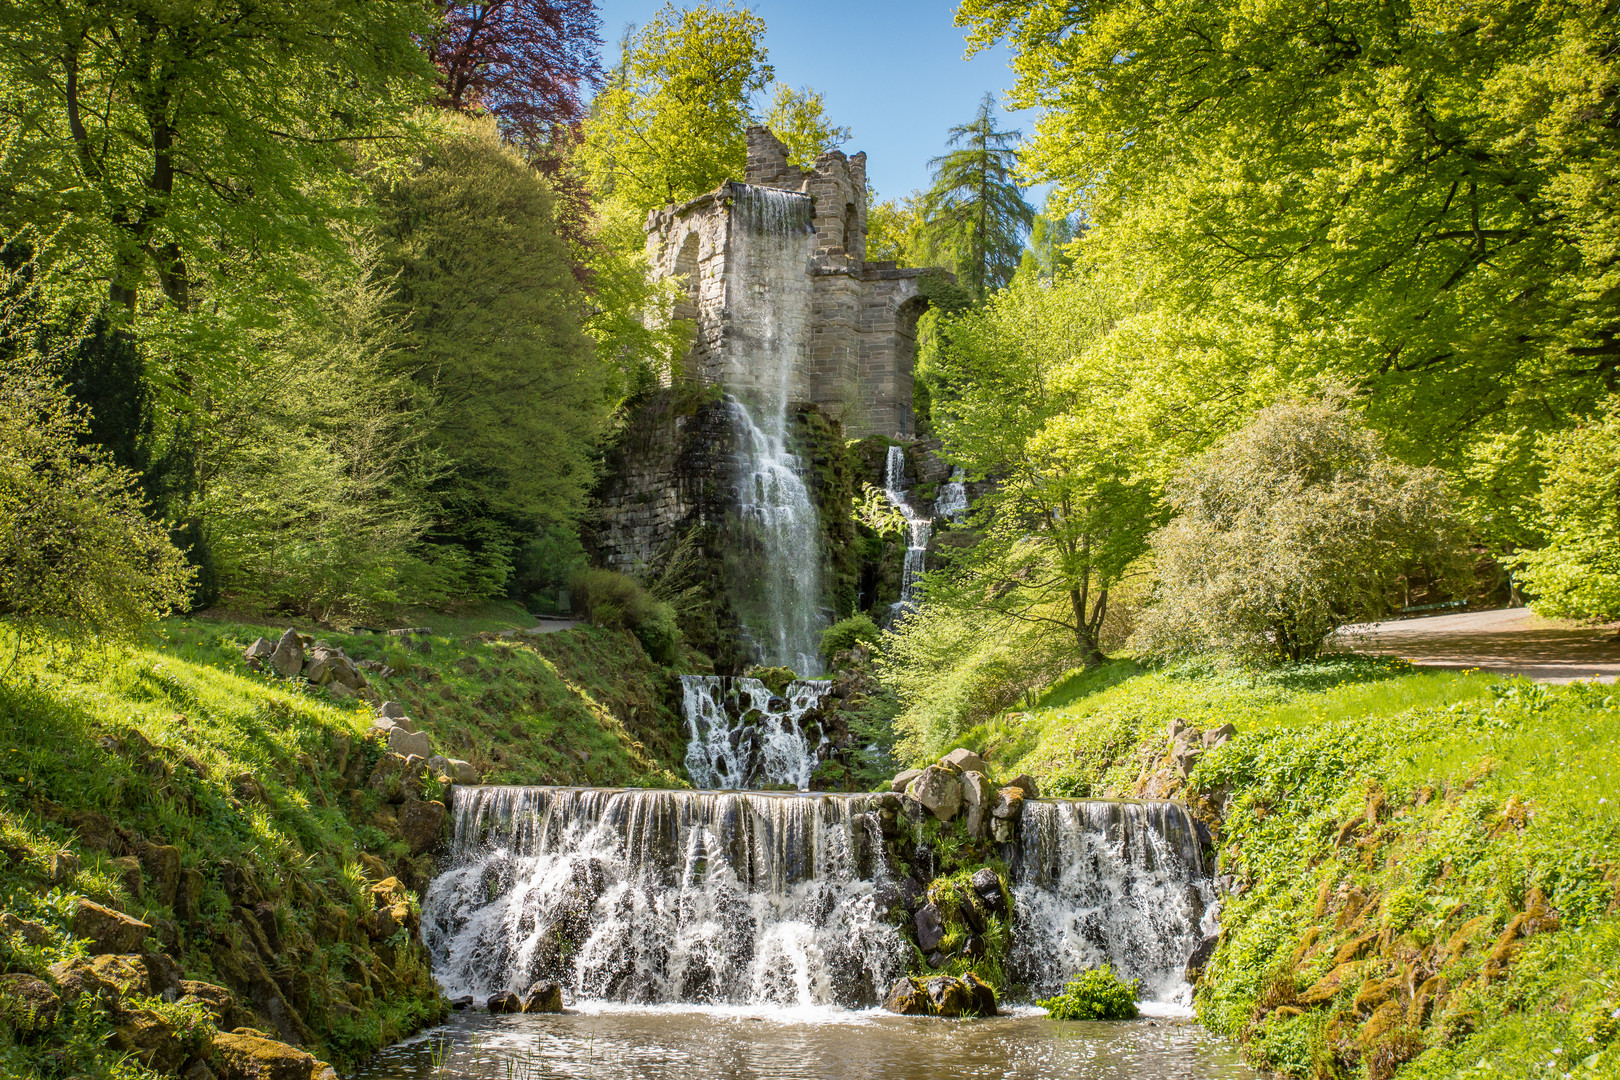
x=975, y=209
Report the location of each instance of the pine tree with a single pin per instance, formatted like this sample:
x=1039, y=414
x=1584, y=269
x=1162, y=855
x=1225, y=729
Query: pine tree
x=975, y=209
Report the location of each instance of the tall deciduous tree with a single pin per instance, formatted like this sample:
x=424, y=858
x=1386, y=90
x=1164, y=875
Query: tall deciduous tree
x=1412, y=198
x=526, y=62
x=516, y=396
x=181, y=144
x=672, y=121
x=975, y=208
x=799, y=118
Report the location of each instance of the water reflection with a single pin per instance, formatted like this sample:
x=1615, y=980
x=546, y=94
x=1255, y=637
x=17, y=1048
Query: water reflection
x=618, y=1042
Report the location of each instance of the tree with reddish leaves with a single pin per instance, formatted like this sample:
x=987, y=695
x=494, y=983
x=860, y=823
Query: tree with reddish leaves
x=526, y=62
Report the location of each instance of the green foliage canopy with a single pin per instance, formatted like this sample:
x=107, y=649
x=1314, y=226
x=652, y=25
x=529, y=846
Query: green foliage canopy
x=1577, y=573
x=975, y=208
x=1412, y=199
x=799, y=118
x=1287, y=530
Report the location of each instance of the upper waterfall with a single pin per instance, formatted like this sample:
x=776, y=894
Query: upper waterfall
x=781, y=578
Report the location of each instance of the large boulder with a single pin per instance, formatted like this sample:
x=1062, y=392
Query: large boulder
x=406, y=744
x=938, y=790
x=906, y=998
x=902, y=779
x=328, y=666
x=504, y=1002
x=948, y=996
x=419, y=824
x=259, y=653
x=108, y=931
x=988, y=885
x=976, y=797
x=148, y=1037
x=930, y=928
x=397, y=776
x=27, y=1005
x=1005, y=813
x=1025, y=783
x=982, y=994
x=459, y=772
x=30, y=933
x=964, y=760
x=288, y=658
x=109, y=979
x=253, y=1057
x=543, y=997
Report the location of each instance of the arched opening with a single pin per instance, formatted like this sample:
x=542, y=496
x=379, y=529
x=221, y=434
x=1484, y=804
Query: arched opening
x=686, y=274
x=905, y=360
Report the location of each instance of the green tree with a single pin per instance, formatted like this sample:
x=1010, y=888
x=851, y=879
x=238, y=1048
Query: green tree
x=76, y=548
x=1285, y=531
x=514, y=390
x=672, y=121
x=799, y=119
x=975, y=209
x=1075, y=496
x=895, y=229
x=1047, y=253
x=1411, y=199
x=1576, y=575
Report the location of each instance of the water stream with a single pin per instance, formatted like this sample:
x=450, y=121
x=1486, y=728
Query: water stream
x=919, y=524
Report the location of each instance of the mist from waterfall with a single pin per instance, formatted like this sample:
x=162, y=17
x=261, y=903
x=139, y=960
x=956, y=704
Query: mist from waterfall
x=781, y=600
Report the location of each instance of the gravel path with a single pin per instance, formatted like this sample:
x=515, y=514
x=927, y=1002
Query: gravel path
x=1512, y=641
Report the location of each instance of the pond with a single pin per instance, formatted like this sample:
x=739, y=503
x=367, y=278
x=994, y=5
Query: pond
x=618, y=1042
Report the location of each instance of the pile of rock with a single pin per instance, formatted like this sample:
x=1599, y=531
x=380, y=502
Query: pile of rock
x=960, y=783
x=404, y=738
x=299, y=655
x=1166, y=765
x=942, y=995
x=132, y=987
x=544, y=996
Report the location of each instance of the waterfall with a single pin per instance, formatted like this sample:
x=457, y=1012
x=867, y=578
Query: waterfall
x=952, y=501
x=920, y=526
x=664, y=896
x=780, y=591
x=740, y=735
x=782, y=899
x=1109, y=882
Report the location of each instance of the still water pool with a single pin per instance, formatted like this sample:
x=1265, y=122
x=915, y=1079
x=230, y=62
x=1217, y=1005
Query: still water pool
x=682, y=1043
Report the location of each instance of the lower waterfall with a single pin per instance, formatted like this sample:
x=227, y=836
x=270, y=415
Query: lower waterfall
x=741, y=898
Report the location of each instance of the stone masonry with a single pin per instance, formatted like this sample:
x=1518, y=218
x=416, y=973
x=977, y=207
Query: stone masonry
x=857, y=363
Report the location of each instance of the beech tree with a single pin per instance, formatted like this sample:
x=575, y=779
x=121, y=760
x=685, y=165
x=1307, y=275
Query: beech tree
x=526, y=62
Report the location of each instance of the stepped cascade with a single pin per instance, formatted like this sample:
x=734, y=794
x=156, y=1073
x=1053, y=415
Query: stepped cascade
x=741, y=735
x=782, y=899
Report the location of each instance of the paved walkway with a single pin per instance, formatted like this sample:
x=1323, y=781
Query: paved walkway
x=1512, y=641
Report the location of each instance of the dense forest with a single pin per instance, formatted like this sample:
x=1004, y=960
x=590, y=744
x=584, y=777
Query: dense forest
x=335, y=315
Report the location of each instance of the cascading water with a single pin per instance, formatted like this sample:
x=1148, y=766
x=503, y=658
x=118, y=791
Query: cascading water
x=780, y=597
x=664, y=896
x=1110, y=882
x=952, y=501
x=920, y=526
x=782, y=899
x=740, y=735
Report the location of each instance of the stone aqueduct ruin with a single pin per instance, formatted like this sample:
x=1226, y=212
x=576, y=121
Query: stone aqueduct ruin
x=857, y=354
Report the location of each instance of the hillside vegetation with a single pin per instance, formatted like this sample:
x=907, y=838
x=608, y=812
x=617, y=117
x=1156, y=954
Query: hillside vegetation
x=243, y=820
x=1423, y=869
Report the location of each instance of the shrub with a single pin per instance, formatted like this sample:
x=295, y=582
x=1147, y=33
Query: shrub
x=1289, y=529
x=1577, y=574
x=618, y=602
x=1096, y=994
x=843, y=635
x=75, y=546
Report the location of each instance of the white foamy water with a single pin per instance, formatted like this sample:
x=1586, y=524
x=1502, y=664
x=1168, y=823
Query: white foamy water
x=920, y=528
x=740, y=735
x=768, y=302
x=781, y=901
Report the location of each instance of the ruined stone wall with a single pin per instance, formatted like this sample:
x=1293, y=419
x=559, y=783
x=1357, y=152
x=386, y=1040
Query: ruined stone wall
x=861, y=345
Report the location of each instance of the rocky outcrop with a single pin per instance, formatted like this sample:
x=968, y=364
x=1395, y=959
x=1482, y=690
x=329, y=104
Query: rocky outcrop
x=245, y=1056
x=27, y=1005
x=543, y=997
x=108, y=931
x=942, y=995
x=319, y=663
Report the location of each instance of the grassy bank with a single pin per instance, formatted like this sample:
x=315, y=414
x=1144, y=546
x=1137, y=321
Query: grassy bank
x=239, y=817
x=1423, y=865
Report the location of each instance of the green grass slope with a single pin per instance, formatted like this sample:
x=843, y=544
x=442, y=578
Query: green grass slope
x=1425, y=866
x=236, y=814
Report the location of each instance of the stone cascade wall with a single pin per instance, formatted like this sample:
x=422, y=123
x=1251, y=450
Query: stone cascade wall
x=861, y=342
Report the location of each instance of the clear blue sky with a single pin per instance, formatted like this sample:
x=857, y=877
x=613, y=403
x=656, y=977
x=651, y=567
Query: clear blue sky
x=891, y=70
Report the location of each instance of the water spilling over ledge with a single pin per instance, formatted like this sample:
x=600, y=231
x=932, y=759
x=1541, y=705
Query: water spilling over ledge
x=741, y=735
x=783, y=899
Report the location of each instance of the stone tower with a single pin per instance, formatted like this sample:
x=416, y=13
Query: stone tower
x=856, y=353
